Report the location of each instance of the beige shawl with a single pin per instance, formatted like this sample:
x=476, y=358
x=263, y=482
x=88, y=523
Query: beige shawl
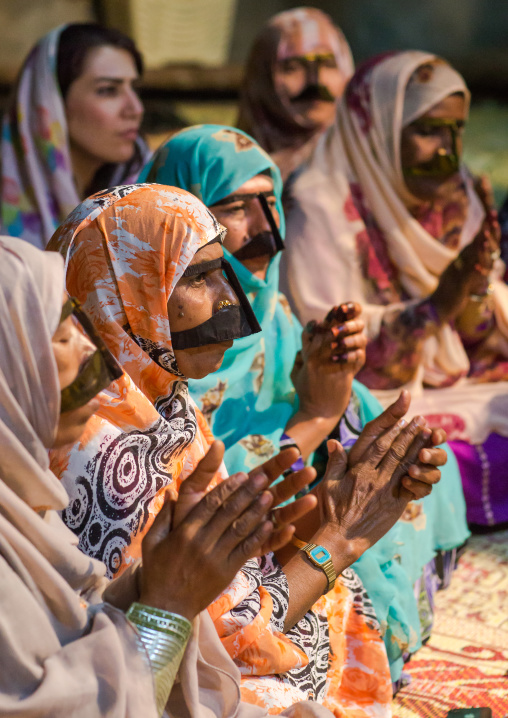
x=322, y=266
x=60, y=655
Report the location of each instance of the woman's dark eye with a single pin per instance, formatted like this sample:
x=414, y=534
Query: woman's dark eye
x=107, y=91
x=426, y=130
x=237, y=209
x=199, y=278
x=293, y=65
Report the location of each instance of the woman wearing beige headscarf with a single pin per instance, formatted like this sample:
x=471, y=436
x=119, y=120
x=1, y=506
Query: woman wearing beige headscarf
x=62, y=651
x=297, y=70
x=386, y=215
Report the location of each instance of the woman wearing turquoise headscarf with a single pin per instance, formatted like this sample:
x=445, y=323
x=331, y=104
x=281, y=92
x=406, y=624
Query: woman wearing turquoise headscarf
x=251, y=400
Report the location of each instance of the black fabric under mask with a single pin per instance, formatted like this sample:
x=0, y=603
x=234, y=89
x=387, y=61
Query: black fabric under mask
x=263, y=243
x=97, y=371
x=314, y=92
x=233, y=322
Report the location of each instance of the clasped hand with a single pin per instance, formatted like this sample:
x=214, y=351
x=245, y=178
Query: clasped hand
x=393, y=462
x=198, y=543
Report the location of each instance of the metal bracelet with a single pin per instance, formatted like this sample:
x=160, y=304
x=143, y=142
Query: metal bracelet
x=162, y=637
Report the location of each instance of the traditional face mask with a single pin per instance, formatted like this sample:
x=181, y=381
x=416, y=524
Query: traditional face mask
x=263, y=243
x=314, y=92
x=311, y=63
x=232, y=321
x=442, y=164
x=97, y=372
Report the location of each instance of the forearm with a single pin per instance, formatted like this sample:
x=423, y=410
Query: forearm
x=308, y=431
x=306, y=582
x=394, y=355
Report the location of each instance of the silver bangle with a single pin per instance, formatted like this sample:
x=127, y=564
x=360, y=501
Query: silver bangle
x=162, y=638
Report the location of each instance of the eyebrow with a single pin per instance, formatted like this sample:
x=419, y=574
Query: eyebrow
x=205, y=266
x=115, y=80
x=243, y=197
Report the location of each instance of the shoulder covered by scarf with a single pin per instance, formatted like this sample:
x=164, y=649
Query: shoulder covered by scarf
x=353, y=232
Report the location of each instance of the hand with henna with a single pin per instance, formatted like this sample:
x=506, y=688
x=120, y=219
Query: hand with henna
x=197, y=544
x=332, y=352
x=469, y=273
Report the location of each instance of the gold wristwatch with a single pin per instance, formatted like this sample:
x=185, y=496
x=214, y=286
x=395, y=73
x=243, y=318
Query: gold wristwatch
x=320, y=557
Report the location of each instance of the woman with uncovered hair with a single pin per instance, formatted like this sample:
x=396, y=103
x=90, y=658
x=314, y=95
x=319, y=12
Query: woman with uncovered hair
x=71, y=127
x=297, y=70
x=66, y=645
x=251, y=402
x=147, y=263
x=385, y=214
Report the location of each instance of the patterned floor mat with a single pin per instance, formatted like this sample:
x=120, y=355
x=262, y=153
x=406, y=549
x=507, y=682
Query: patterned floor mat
x=465, y=663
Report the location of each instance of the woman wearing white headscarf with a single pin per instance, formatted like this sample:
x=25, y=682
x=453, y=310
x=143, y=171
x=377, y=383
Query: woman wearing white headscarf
x=386, y=215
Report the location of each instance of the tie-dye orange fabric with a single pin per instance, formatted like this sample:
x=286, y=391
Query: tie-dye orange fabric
x=123, y=262
x=125, y=251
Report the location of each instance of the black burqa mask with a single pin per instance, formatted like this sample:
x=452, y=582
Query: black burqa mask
x=234, y=321
x=263, y=243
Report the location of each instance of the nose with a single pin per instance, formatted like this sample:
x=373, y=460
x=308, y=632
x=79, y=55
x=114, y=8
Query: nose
x=312, y=72
x=225, y=293
x=257, y=220
x=447, y=140
x=133, y=107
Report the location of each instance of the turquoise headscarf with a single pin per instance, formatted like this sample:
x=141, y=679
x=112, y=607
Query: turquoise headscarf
x=249, y=400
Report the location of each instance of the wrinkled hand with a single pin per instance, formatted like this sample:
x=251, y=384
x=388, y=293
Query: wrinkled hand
x=424, y=472
x=186, y=567
x=195, y=487
x=363, y=502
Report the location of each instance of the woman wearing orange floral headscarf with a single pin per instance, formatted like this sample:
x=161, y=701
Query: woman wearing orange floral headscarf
x=126, y=251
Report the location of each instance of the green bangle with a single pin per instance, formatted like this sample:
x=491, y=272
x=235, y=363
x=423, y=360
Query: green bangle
x=158, y=620
x=162, y=637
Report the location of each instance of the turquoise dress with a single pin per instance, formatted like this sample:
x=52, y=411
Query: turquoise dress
x=249, y=401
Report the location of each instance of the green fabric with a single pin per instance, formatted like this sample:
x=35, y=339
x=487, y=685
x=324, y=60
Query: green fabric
x=250, y=399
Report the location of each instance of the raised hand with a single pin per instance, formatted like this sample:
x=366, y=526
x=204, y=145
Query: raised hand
x=186, y=567
x=424, y=471
x=195, y=487
x=348, y=347
x=360, y=504
x=469, y=273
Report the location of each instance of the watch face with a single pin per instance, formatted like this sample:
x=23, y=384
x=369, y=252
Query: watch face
x=320, y=554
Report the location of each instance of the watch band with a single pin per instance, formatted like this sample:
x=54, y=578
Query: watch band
x=320, y=557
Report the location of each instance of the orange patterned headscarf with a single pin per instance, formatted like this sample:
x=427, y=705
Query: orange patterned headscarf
x=125, y=251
